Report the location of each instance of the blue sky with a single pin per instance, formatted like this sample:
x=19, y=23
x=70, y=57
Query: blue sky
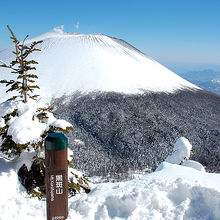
x=181, y=34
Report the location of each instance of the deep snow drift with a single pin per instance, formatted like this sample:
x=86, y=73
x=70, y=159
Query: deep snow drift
x=77, y=62
x=172, y=192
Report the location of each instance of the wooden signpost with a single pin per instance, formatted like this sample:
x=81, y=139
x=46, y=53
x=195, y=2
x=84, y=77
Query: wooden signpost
x=56, y=176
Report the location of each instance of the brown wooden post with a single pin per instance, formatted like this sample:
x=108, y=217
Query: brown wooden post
x=56, y=176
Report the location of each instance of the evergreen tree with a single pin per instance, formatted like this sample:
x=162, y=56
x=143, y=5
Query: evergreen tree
x=21, y=67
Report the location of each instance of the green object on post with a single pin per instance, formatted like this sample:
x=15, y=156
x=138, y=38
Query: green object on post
x=56, y=141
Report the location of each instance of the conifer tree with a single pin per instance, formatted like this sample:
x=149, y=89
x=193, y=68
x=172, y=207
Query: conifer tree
x=22, y=67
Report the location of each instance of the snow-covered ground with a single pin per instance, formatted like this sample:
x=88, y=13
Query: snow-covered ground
x=171, y=192
x=174, y=192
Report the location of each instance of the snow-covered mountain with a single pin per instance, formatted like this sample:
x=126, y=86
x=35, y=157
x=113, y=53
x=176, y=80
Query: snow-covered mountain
x=127, y=109
x=77, y=62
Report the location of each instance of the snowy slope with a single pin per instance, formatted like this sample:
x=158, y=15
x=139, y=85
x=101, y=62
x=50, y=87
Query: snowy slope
x=76, y=62
x=171, y=192
x=174, y=192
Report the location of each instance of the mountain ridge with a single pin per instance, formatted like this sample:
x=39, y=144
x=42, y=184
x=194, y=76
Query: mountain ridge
x=207, y=79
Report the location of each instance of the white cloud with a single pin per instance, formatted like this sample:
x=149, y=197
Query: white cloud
x=59, y=29
x=76, y=26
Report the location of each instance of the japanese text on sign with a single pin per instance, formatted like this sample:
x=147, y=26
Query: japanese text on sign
x=59, y=184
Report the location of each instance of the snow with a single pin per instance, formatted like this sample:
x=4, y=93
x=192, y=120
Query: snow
x=174, y=192
x=2, y=122
x=194, y=164
x=181, y=155
x=71, y=62
x=26, y=127
x=154, y=197
x=2, y=63
x=15, y=203
x=181, y=151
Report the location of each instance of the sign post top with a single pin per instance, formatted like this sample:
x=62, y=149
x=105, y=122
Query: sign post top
x=56, y=141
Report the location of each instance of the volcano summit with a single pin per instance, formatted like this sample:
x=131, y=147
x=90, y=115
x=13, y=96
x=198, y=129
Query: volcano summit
x=86, y=63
